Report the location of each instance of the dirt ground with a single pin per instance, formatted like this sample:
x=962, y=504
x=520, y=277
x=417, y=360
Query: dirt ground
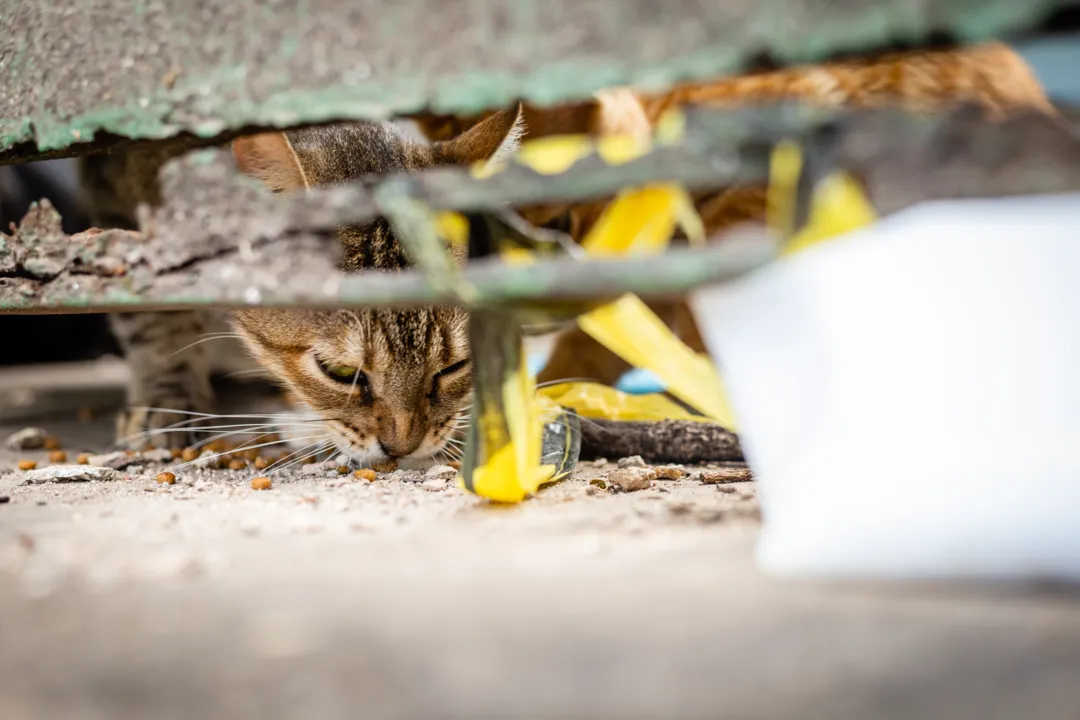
x=332, y=597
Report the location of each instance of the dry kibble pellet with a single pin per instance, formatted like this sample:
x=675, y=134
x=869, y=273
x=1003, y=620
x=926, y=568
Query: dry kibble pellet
x=260, y=483
x=58, y=456
x=262, y=463
x=166, y=478
x=237, y=464
x=52, y=443
x=189, y=454
x=456, y=464
x=27, y=464
x=385, y=467
x=365, y=474
x=343, y=469
x=83, y=459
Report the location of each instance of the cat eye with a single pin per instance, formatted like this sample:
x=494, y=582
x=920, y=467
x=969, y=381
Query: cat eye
x=451, y=369
x=344, y=373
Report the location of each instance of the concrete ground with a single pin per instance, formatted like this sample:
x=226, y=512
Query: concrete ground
x=332, y=597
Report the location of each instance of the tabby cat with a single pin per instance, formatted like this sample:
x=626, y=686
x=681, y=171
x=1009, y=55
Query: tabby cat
x=390, y=383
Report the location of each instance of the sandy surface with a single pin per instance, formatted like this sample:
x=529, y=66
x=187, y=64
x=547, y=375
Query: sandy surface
x=332, y=597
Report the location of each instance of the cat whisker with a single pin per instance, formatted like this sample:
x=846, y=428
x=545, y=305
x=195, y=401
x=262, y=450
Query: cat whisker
x=230, y=452
x=323, y=445
x=207, y=338
x=147, y=434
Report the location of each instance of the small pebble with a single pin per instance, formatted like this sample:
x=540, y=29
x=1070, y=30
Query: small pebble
x=441, y=471
x=27, y=464
x=26, y=439
x=629, y=462
x=166, y=478
x=670, y=472
x=632, y=479
x=598, y=483
x=434, y=484
x=261, y=483
x=71, y=473
x=58, y=456
x=365, y=474
x=116, y=460
x=160, y=455
x=726, y=490
x=726, y=475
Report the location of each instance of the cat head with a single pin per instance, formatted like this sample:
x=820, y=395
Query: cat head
x=386, y=383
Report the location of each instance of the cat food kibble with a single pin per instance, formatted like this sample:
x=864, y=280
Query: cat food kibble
x=58, y=456
x=343, y=469
x=176, y=453
x=27, y=464
x=260, y=483
x=237, y=464
x=189, y=454
x=83, y=459
x=385, y=467
x=51, y=443
x=456, y=464
x=262, y=463
x=166, y=478
x=365, y=474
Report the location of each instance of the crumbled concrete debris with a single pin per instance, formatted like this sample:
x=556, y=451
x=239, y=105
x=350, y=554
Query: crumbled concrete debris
x=159, y=455
x=632, y=478
x=669, y=472
x=726, y=475
x=632, y=461
x=114, y=460
x=70, y=473
x=30, y=438
x=208, y=460
x=441, y=471
x=320, y=468
x=401, y=475
x=435, y=484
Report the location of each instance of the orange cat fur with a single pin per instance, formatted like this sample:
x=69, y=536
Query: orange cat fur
x=990, y=75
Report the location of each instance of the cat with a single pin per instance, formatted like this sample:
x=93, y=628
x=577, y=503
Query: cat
x=990, y=75
x=386, y=384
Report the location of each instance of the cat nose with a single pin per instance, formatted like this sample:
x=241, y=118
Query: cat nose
x=399, y=439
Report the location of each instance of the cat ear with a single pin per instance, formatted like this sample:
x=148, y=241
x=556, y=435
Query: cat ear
x=270, y=158
x=494, y=138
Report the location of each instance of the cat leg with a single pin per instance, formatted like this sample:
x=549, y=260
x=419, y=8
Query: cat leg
x=170, y=376
x=169, y=368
